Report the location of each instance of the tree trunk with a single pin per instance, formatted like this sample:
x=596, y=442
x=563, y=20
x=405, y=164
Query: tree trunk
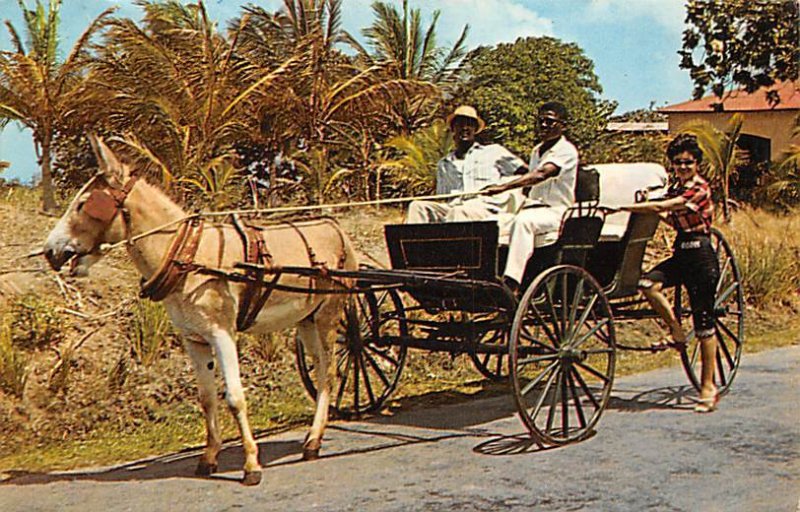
x=48, y=195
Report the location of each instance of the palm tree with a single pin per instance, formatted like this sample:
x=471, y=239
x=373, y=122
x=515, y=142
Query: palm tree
x=38, y=91
x=179, y=95
x=415, y=170
x=409, y=52
x=720, y=151
x=331, y=107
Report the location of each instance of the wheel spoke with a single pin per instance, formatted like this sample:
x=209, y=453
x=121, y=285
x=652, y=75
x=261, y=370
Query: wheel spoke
x=591, y=333
x=550, y=335
x=537, y=359
x=553, y=402
x=553, y=314
x=533, y=340
x=721, y=298
x=343, y=384
x=532, y=384
x=584, y=316
x=576, y=300
x=378, y=370
x=594, y=372
x=730, y=333
x=386, y=355
x=576, y=399
x=367, y=382
x=723, y=347
x=564, y=405
x=723, y=380
x=723, y=273
x=582, y=383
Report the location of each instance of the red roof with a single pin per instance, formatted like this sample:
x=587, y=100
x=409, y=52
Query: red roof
x=741, y=101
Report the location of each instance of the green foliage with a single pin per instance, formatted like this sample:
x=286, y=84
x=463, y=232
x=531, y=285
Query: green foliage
x=749, y=43
x=13, y=364
x=36, y=90
x=149, y=332
x=36, y=323
x=507, y=84
x=414, y=173
x=719, y=151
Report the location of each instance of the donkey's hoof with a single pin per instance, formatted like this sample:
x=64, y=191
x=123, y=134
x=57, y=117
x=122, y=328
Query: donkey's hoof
x=310, y=453
x=205, y=469
x=251, y=478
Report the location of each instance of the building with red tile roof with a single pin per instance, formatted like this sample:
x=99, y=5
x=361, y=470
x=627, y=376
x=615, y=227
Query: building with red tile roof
x=767, y=127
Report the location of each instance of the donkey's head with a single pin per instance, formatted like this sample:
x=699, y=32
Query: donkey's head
x=93, y=217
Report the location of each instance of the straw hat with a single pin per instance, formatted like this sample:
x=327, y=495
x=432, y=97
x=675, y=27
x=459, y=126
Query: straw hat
x=469, y=112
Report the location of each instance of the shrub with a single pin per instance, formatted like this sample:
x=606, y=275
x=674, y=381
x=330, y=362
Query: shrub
x=149, y=332
x=36, y=323
x=767, y=248
x=13, y=364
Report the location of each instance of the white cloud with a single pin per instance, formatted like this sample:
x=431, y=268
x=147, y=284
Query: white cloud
x=490, y=21
x=669, y=13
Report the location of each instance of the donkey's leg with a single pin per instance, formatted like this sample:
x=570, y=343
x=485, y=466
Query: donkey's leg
x=203, y=362
x=225, y=348
x=309, y=333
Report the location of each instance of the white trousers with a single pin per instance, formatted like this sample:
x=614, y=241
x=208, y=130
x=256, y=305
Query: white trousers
x=430, y=211
x=527, y=225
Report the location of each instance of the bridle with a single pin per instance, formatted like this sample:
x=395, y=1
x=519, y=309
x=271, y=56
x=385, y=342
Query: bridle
x=103, y=205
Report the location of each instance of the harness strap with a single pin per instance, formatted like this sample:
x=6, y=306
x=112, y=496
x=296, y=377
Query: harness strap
x=255, y=293
x=177, y=262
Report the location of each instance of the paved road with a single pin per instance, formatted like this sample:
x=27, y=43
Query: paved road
x=651, y=453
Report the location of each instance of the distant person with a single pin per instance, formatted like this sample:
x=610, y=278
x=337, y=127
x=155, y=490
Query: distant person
x=552, y=172
x=469, y=168
x=689, y=210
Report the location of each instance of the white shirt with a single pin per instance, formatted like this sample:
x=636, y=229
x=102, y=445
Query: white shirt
x=557, y=191
x=480, y=167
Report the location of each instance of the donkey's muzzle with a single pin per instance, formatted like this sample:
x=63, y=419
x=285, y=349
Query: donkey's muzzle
x=58, y=258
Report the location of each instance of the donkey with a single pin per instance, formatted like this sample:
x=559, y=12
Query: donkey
x=113, y=207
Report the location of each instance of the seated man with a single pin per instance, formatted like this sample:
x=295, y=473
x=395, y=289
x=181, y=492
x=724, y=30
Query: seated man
x=553, y=170
x=469, y=168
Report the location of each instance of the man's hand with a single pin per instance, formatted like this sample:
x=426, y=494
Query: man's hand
x=493, y=190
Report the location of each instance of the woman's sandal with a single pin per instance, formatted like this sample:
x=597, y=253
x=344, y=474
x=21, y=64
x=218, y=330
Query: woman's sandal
x=707, y=404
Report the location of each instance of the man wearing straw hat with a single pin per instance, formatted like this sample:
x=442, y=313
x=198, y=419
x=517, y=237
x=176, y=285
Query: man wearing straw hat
x=469, y=168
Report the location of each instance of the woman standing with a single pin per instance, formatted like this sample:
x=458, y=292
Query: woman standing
x=689, y=210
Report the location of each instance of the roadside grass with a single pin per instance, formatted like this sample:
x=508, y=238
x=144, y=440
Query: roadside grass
x=429, y=379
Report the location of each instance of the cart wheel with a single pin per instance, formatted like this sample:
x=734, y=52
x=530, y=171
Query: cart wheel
x=493, y=366
x=367, y=367
x=562, y=355
x=729, y=324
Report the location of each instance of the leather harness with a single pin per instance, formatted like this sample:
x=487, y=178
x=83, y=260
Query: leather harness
x=104, y=205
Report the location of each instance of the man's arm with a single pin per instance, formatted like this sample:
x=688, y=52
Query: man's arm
x=547, y=170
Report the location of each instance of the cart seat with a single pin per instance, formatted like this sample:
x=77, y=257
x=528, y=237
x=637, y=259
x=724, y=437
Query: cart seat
x=621, y=184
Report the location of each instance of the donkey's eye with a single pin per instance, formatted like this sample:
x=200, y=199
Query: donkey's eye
x=79, y=207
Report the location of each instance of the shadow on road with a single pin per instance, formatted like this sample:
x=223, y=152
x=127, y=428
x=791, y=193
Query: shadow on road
x=670, y=397
x=178, y=465
x=421, y=420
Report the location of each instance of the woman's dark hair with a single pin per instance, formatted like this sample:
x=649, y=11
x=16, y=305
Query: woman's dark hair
x=685, y=142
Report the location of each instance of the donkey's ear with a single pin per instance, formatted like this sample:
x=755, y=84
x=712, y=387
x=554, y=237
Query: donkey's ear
x=114, y=171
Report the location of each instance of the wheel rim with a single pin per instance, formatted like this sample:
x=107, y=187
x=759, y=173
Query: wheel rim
x=729, y=307
x=562, y=355
x=368, y=369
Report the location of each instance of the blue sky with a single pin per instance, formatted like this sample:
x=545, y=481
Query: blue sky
x=633, y=43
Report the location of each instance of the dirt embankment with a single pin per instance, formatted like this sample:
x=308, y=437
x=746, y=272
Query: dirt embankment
x=83, y=373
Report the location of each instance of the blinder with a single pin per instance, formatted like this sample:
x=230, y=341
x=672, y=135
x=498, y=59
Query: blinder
x=100, y=206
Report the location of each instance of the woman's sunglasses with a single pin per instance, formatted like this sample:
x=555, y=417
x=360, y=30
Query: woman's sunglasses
x=678, y=162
